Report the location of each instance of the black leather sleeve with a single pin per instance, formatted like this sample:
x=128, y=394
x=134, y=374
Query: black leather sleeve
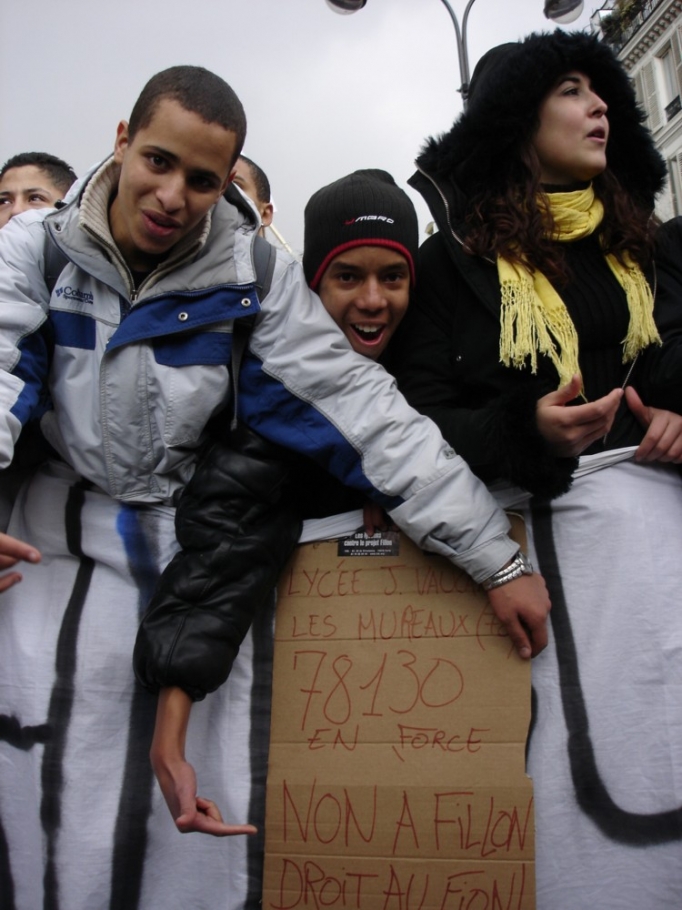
x=236, y=530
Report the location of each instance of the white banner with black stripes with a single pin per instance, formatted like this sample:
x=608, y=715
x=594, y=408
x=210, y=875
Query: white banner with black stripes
x=83, y=825
x=605, y=753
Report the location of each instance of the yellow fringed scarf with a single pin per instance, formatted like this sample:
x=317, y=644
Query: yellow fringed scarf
x=534, y=319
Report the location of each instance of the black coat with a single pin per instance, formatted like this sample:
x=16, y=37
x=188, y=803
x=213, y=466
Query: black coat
x=448, y=359
x=449, y=369
x=448, y=364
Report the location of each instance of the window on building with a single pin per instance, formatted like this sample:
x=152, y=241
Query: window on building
x=648, y=95
x=675, y=187
x=670, y=90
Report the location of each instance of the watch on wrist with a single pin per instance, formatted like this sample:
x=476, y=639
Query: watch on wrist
x=520, y=565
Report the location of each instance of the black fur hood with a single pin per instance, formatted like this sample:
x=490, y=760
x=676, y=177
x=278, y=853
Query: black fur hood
x=507, y=88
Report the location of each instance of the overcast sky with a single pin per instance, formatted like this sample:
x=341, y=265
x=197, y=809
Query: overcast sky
x=324, y=94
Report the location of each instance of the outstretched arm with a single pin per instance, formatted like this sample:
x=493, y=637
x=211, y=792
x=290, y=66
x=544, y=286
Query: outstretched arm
x=13, y=551
x=176, y=775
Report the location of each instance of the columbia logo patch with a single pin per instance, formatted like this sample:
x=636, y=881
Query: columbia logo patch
x=69, y=293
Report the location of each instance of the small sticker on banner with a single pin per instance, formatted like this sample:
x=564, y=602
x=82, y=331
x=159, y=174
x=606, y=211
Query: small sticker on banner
x=382, y=543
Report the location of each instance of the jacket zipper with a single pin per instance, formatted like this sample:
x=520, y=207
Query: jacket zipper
x=443, y=197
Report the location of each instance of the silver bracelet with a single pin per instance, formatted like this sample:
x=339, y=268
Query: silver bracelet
x=520, y=565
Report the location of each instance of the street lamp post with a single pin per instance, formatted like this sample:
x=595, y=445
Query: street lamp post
x=562, y=11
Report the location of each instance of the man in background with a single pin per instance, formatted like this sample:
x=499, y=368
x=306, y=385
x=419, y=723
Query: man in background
x=32, y=180
x=133, y=342
x=253, y=180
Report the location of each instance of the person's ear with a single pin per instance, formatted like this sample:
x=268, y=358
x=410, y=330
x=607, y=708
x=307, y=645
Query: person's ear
x=266, y=213
x=122, y=141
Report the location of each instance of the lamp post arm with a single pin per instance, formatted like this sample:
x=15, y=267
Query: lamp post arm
x=462, y=51
x=465, y=51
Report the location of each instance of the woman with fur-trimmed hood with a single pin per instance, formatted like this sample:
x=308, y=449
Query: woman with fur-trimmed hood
x=545, y=339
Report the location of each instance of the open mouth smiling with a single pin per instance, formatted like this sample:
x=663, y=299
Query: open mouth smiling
x=369, y=334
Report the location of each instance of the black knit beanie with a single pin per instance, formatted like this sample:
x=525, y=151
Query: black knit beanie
x=366, y=208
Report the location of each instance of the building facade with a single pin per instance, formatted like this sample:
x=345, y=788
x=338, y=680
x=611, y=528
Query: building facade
x=647, y=36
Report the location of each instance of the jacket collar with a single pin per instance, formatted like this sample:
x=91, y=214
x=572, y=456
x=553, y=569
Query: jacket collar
x=206, y=256
x=93, y=217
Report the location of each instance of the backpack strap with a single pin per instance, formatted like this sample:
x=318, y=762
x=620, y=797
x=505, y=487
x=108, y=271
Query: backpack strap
x=55, y=261
x=264, y=258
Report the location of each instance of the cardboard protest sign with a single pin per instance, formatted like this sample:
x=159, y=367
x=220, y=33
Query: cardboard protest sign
x=400, y=714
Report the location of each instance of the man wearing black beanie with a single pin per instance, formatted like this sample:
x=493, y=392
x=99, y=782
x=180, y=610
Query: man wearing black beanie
x=360, y=245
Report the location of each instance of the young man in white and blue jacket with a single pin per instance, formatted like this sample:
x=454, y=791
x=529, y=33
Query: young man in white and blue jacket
x=124, y=359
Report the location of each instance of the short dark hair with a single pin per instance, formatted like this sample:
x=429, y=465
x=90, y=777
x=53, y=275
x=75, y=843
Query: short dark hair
x=60, y=173
x=260, y=180
x=197, y=90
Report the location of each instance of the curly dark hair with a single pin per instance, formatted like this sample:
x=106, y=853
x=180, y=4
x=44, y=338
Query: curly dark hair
x=517, y=224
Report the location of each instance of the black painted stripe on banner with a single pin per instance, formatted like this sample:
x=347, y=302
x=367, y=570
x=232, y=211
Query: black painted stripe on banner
x=259, y=744
x=62, y=697
x=24, y=738
x=6, y=879
x=135, y=802
x=134, y=807
x=634, y=829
